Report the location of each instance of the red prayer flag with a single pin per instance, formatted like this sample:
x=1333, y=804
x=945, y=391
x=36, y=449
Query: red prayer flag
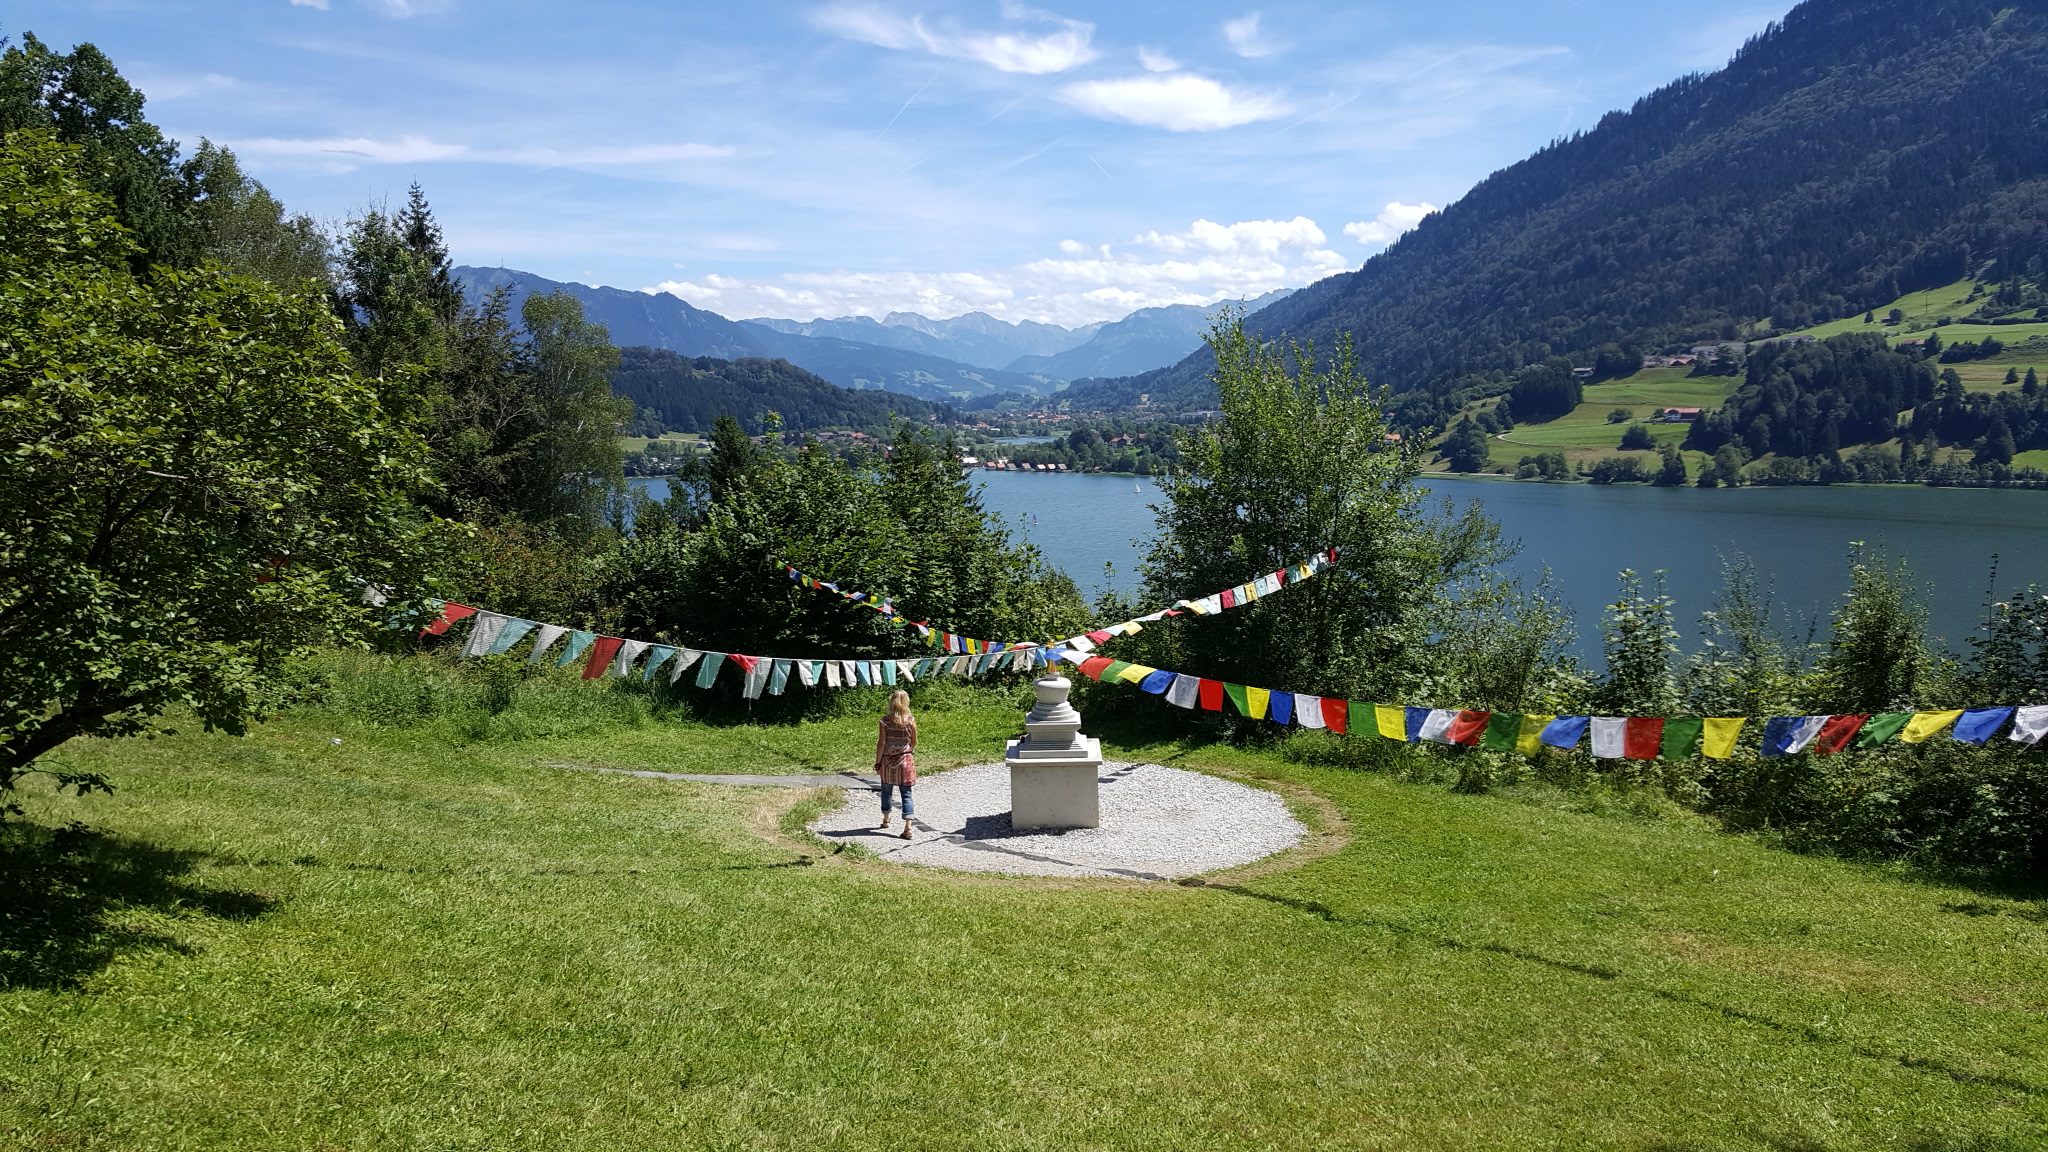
x=1209, y=693
x=1336, y=714
x=450, y=613
x=1468, y=727
x=746, y=663
x=1100, y=637
x=1642, y=737
x=1230, y=597
x=601, y=654
x=1092, y=667
x=1836, y=733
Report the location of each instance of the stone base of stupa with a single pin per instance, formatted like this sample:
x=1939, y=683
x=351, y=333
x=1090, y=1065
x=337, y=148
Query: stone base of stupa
x=1055, y=791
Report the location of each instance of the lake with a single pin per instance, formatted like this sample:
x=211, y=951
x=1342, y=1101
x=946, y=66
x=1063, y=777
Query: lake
x=1584, y=534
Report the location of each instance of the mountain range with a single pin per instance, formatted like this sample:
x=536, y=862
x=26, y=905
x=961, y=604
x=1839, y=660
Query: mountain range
x=1854, y=152
x=973, y=360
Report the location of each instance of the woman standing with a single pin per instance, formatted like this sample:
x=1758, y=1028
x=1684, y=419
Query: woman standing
x=894, y=763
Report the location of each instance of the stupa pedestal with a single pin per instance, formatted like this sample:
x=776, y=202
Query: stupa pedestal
x=1055, y=772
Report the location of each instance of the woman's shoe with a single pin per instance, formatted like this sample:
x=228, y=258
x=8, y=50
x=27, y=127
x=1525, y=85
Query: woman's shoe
x=906, y=827
x=883, y=826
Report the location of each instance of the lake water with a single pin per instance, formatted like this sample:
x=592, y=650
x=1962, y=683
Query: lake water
x=1585, y=534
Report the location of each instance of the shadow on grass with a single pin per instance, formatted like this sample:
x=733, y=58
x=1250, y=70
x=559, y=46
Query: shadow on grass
x=63, y=893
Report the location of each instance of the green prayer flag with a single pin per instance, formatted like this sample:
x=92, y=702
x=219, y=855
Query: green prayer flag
x=1502, y=731
x=1881, y=727
x=1114, y=670
x=1681, y=737
x=1237, y=696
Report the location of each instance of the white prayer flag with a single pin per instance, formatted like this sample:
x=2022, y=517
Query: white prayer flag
x=1804, y=733
x=684, y=659
x=1185, y=691
x=483, y=633
x=1308, y=711
x=906, y=670
x=807, y=672
x=544, y=640
x=2029, y=725
x=628, y=652
x=1437, y=728
x=1609, y=736
x=832, y=673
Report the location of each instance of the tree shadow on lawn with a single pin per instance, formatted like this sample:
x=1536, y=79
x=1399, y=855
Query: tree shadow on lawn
x=63, y=893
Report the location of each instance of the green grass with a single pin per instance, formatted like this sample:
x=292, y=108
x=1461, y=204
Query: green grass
x=639, y=443
x=431, y=936
x=1584, y=435
x=2038, y=458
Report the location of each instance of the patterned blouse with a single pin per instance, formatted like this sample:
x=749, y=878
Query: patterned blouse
x=894, y=744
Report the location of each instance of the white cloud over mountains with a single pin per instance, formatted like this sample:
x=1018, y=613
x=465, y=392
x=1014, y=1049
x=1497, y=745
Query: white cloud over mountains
x=1204, y=263
x=1177, y=101
x=1388, y=226
x=1066, y=46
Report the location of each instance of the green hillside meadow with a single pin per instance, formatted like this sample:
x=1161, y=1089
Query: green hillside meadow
x=434, y=931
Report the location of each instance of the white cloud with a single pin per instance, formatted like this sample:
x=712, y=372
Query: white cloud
x=1154, y=60
x=158, y=87
x=406, y=9
x=346, y=152
x=1065, y=47
x=1180, y=102
x=1202, y=264
x=320, y=4
x=1388, y=226
x=1245, y=38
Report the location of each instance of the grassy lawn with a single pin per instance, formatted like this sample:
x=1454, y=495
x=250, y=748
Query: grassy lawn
x=1584, y=435
x=2038, y=458
x=640, y=443
x=436, y=936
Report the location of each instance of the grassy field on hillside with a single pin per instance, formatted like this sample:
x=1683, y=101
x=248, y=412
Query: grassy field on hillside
x=1584, y=435
x=435, y=933
x=632, y=444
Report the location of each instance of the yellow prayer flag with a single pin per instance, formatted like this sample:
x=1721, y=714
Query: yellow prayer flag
x=1718, y=736
x=1256, y=699
x=1529, y=737
x=1925, y=726
x=1134, y=674
x=1392, y=720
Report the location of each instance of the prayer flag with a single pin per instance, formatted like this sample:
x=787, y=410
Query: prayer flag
x=1608, y=732
x=1157, y=682
x=2030, y=725
x=1681, y=737
x=863, y=673
x=1470, y=725
x=1436, y=727
x=1230, y=598
x=1092, y=667
x=1392, y=721
x=757, y=678
x=1925, y=726
x=907, y=669
x=1280, y=708
x=1530, y=741
x=1566, y=731
x=1786, y=735
x=707, y=671
x=1114, y=670
x=483, y=633
x=1258, y=698
x=685, y=659
x=1185, y=692
x=549, y=633
x=850, y=673
x=1836, y=733
x=450, y=613
x=579, y=643
x=1210, y=695
x=833, y=673
x=1135, y=673
x=601, y=654
x=628, y=652
x=512, y=633
x=1981, y=724
x=1503, y=729
x=1416, y=717
x=1336, y=715
x=656, y=656
x=779, y=679
x=1721, y=732
x=1236, y=694
x=888, y=676
x=1642, y=738
x=1308, y=711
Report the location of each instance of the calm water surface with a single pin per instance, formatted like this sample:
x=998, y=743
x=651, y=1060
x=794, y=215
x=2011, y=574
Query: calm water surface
x=1583, y=535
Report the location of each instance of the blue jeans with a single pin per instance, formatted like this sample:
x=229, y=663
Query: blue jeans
x=887, y=789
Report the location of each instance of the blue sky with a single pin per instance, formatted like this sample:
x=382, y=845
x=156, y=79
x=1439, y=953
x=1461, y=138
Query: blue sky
x=1066, y=163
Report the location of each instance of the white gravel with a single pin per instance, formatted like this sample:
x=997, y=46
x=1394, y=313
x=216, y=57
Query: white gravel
x=1157, y=824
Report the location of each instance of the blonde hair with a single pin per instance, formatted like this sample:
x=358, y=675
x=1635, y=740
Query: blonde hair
x=899, y=707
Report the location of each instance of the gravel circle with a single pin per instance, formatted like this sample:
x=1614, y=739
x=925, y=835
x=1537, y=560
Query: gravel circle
x=1158, y=823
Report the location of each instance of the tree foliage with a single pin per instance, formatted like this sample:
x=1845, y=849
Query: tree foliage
x=194, y=486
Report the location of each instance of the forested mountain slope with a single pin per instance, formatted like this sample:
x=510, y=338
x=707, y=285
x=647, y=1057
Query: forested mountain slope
x=1146, y=339
x=688, y=393
x=1857, y=151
